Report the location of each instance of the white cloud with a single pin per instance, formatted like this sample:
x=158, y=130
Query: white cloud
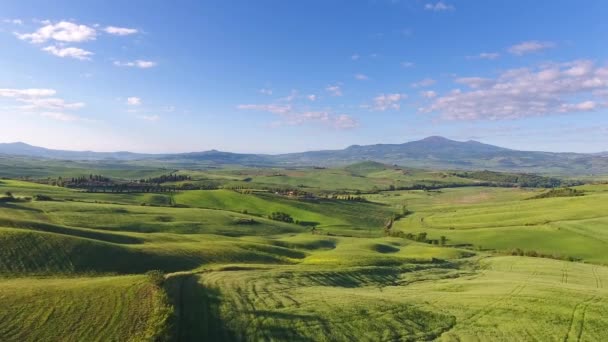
x=438, y=6
x=344, y=121
x=292, y=96
x=63, y=31
x=430, y=94
x=290, y=116
x=272, y=108
x=530, y=47
x=427, y=82
x=40, y=101
x=149, y=117
x=48, y=103
x=485, y=55
x=334, y=90
x=133, y=101
x=119, y=31
x=59, y=116
x=70, y=52
x=142, y=64
x=32, y=92
x=13, y=21
x=407, y=64
x=312, y=97
x=361, y=77
x=525, y=92
x=384, y=102
x=265, y=91
x=355, y=57
x=473, y=82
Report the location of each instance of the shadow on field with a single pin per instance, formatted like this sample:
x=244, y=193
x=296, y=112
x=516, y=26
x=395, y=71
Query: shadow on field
x=11, y=205
x=197, y=311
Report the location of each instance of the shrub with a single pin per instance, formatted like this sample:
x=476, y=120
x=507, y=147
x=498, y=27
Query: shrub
x=280, y=216
x=156, y=277
x=42, y=198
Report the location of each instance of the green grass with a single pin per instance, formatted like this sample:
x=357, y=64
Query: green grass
x=73, y=268
x=514, y=298
x=82, y=309
x=562, y=226
x=330, y=214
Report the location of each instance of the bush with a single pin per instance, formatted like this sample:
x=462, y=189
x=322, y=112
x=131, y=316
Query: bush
x=156, y=277
x=43, y=198
x=280, y=216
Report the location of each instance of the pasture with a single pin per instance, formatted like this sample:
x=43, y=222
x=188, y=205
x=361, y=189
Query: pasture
x=75, y=265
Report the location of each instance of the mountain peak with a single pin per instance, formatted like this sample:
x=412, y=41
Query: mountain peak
x=436, y=139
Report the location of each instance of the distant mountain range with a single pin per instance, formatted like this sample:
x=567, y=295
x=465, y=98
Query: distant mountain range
x=432, y=152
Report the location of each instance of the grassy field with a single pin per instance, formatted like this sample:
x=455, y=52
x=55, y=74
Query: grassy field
x=77, y=309
x=75, y=267
x=506, y=219
x=511, y=298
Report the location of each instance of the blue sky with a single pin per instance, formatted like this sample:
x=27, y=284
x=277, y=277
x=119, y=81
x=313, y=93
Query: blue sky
x=284, y=76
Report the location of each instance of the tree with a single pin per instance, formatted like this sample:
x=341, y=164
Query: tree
x=280, y=216
x=421, y=237
x=9, y=194
x=443, y=240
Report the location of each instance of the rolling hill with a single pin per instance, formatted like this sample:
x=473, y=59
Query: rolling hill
x=432, y=152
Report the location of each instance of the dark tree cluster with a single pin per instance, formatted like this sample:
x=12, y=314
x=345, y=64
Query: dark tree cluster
x=165, y=179
x=420, y=237
x=281, y=216
x=517, y=179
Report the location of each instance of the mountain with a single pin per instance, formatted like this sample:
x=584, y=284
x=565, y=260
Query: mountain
x=432, y=152
x=23, y=149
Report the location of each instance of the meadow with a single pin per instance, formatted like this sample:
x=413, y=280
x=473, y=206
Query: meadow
x=211, y=264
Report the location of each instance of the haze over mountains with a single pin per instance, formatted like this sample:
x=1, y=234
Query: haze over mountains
x=431, y=152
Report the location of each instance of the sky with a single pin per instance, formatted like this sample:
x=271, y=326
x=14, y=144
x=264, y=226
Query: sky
x=272, y=76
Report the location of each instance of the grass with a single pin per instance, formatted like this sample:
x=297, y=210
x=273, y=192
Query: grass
x=514, y=298
x=82, y=309
x=74, y=268
x=322, y=212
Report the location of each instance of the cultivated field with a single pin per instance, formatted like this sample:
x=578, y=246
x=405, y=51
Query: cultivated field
x=359, y=260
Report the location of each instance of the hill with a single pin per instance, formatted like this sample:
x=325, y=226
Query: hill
x=432, y=152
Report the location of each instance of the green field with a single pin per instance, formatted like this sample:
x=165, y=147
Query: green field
x=75, y=267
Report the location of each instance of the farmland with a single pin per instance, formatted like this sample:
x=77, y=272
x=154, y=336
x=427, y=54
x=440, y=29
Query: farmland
x=370, y=252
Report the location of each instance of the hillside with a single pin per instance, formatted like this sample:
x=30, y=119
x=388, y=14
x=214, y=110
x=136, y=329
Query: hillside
x=432, y=152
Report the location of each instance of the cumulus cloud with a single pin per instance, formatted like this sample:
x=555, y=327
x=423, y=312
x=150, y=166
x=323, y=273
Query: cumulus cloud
x=312, y=97
x=265, y=91
x=516, y=93
x=142, y=64
x=430, y=94
x=272, y=108
x=485, y=55
x=41, y=101
x=334, y=90
x=385, y=102
x=427, y=82
x=290, y=116
x=48, y=103
x=344, y=121
x=13, y=21
x=361, y=77
x=32, y=92
x=149, y=117
x=133, y=101
x=59, y=116
x=530, y=47
x=438, y=7
x=119, y=31
x=69, y=52
x=63, y=31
